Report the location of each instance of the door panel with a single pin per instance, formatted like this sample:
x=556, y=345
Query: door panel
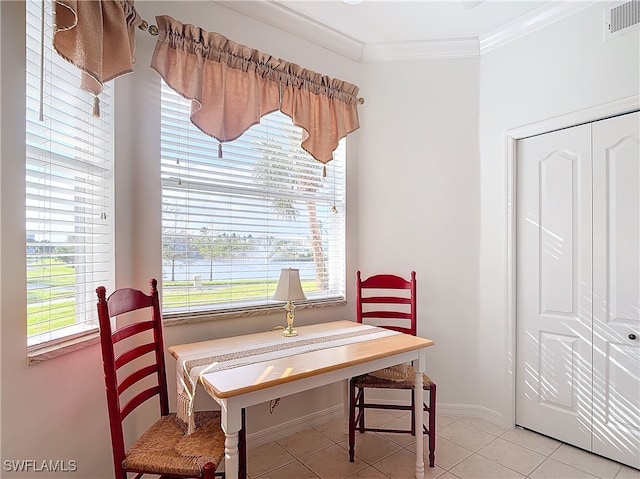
x=616, y=357
x=554, y=327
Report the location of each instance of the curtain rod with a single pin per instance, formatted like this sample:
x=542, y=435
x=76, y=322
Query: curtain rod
x=152, y=29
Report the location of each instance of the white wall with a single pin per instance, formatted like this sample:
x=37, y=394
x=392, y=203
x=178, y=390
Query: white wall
x=563, y=68
x=418, y=204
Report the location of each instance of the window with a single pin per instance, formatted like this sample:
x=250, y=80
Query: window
x=68, y=191
x=234, y=215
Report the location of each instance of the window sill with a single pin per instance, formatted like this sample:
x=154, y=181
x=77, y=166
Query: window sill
x=39, y=354
x=190, y=318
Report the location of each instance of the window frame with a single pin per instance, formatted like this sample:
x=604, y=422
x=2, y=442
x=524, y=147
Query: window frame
x=262, y=305
x=69, y=187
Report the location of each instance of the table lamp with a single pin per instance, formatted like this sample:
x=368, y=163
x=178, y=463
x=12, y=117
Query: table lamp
x=289, y=289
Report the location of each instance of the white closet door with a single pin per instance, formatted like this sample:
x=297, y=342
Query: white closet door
x=554, y=323
x=616, y=288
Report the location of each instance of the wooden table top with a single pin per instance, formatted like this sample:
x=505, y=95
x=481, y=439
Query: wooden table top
x=245, y=379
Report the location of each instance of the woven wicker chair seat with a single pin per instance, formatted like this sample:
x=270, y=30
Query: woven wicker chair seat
x=371, y=381
x=165, y=449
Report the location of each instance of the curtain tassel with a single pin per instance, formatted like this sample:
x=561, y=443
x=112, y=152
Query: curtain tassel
x=96, y=106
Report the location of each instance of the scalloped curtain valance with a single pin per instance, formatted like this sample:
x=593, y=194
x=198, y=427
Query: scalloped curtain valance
x=232, y=86
x=98, y=37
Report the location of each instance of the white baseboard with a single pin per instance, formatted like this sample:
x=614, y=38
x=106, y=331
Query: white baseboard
x=296, y=425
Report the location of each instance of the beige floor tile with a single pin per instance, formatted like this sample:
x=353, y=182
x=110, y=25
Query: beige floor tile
x=585, y=461
x=478, y=467
x=552, y=469
x=448, y=454
x=512, y=455
x=465, y=449
x=399, y=422
x=368, y=473
x=403, y=439
x=295, y=470
x=465, y=436
x=402, y=465
x=444, y=420
x=540, y=444
x=334, y=429
x=448, y=475
x=266, y=458
x=372, y=447
x=483, y=425
x=333, y=463
x=304, y=442
x=375, y=417
x=627, y=472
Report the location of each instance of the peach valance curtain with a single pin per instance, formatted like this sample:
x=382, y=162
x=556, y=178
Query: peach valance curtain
x=232, y=86
x=97, y=36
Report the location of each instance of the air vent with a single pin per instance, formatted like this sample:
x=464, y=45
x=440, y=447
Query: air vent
x=621, y=18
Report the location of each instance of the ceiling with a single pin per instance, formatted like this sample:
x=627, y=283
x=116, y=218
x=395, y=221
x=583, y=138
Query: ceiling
x=378, y=30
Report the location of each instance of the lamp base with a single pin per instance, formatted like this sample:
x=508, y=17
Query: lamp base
x=289, y=332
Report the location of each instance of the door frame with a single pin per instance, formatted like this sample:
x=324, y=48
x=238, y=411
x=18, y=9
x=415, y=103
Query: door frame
x=588, y=115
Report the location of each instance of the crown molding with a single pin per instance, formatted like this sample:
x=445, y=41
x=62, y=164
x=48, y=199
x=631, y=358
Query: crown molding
x=301, y=26
x=283, y=18
x=382, y=52
x=521, y=26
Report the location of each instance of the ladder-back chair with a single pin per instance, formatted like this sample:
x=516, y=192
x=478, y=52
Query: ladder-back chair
x=163, y=449
x=389, y=301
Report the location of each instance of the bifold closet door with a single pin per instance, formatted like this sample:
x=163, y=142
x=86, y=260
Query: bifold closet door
x=553, y=261
x=616, y=288
x=578, y=286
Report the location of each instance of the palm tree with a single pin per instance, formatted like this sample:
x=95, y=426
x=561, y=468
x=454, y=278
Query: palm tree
x=283, y=167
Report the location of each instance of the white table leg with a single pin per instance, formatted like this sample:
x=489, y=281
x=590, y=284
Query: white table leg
x=418, y=396
x=231, y=462
x=231, y=424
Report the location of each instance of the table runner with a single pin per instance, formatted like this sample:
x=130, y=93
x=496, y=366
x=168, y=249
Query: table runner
x=190, y=368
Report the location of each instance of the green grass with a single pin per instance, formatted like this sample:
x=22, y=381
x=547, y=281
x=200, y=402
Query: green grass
x=179, y=294
x=42, y=317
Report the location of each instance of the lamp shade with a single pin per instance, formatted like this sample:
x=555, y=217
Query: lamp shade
x=289, y=287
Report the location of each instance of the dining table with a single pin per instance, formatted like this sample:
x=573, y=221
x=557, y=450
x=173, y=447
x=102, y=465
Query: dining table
x=249, y=369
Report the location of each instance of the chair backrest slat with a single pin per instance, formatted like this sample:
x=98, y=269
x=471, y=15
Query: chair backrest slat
x=391, y=291
x=128, y=299
x=134, y=353
x=386, y=300
x=129, y=330
x=133, y=378
x=386, y=315
x=385, y=281
x=138, y=399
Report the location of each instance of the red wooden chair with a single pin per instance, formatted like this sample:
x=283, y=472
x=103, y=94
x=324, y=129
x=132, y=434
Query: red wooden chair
x=163, y=449
x=389, y=301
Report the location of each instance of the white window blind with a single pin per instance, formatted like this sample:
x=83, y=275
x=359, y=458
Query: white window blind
x=234, y=215
x=69, y=178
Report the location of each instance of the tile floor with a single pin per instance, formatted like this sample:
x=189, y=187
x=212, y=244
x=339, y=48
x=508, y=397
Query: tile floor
x=466, y=448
